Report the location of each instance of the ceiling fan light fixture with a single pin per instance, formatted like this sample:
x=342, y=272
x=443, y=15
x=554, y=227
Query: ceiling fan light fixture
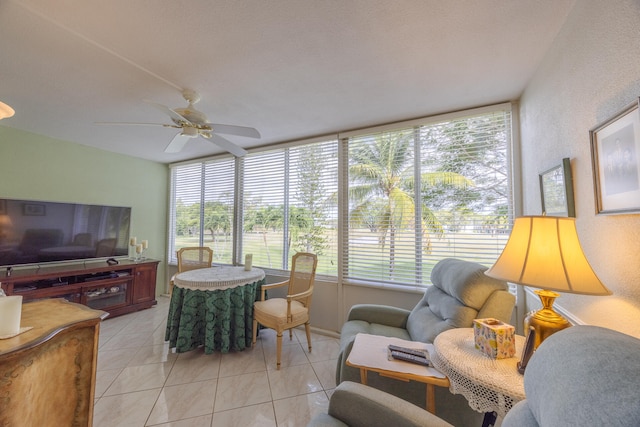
x=189, y=131
x=6, y=111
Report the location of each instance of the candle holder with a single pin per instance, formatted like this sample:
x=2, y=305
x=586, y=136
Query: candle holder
x=145, y=246
x=132, y=249
x=141, y=248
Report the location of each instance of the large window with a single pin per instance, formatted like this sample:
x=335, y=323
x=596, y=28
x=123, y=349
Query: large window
x=380, y=205
x=425, y=192
x=289, y=205
x=202, y=208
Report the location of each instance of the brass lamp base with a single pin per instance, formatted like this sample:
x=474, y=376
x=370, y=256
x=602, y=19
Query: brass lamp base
x=545, y=321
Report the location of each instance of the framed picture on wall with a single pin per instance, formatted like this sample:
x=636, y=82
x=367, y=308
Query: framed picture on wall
x=556, y=190
x=615, y=147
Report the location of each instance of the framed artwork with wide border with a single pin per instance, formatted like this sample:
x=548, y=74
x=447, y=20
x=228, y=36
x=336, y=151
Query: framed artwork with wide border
x=615, y=147
x=556, y=190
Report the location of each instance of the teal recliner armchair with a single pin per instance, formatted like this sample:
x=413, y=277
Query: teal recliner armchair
x=460, y=293
x=580, y=376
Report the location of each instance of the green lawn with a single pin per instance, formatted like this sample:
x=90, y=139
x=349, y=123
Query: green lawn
x=372, y=264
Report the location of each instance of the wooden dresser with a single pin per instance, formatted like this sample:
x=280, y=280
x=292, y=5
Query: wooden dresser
x=48, y=374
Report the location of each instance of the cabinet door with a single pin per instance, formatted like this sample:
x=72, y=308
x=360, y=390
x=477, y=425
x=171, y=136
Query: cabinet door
x=144, y=283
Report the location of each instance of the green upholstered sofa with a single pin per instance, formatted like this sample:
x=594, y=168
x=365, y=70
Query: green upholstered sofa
x=460, y=292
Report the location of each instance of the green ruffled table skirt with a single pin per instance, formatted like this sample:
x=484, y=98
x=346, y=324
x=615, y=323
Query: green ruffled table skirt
x=218, y=320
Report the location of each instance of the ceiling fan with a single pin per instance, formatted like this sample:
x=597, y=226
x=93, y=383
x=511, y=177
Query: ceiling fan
x=193, y=123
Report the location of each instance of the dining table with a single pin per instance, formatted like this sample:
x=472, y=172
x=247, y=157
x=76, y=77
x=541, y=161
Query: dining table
x=213, y=308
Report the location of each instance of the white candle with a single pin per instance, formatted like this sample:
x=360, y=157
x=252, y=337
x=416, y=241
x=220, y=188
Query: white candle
x=248, y=260
x=145, y=244
x=10, y=313
x=133, y=241
x=139, y=248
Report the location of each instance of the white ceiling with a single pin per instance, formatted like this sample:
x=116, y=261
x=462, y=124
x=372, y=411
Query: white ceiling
x=290, y=68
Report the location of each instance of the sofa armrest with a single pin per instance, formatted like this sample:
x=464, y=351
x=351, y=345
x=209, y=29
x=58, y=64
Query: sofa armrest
x=381, y=314
x=358, y=405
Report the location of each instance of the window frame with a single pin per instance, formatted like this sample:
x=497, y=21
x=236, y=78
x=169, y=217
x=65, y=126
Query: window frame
x=342, y=184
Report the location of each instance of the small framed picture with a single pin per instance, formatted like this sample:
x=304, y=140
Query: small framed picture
x=556, y=190
x=615, y=146
x=34, y=209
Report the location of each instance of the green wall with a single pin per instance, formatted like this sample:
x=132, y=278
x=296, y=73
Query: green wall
x=36, y=167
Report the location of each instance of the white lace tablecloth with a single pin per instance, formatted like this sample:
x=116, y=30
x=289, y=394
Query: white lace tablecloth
x=216, y=278
x=488, y=384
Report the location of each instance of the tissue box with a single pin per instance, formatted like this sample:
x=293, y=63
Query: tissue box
x=494, y=338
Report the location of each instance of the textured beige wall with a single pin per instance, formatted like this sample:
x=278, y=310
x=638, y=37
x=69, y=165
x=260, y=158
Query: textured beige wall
x=35, y=167
x=591, y=73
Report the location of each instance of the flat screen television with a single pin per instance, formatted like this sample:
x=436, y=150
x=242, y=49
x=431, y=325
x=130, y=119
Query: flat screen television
x=36, y=232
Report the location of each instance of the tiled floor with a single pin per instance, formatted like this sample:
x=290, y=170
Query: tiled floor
x=140, y=382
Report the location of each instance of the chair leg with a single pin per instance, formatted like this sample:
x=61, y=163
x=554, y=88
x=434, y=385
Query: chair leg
x=290, y=334
x=255, y=332
x=307, y=329
x=278, y=349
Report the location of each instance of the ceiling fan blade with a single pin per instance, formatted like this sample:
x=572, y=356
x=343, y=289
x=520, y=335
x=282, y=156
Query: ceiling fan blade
x=137, y=124
x=234, y=130
x=168, y=111
x=177, y=143
x=227, y=145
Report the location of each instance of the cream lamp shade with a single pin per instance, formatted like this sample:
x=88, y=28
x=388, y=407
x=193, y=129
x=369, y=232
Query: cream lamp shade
x=545, y=252
x=5, y=111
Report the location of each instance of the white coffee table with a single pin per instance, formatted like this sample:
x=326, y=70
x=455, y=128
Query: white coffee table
x=369, y=353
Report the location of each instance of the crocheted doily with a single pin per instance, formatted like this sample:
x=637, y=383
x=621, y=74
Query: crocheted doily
x=488, y=384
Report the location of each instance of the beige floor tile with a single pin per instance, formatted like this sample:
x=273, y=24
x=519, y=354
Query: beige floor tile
x=261, y=415
x=104, y=379
x=302, y=336
x=114, y=359
x=292, y=355
x=121, y=341
x=299, y=410
x=242, y=362
x=203, y=421
x=142, y=382
x=242, y=390
x=324, y=350
x=293, y=381
x=326, y=373
x=194, y=366
x=159, y=353
x=138, y=378
x=157, y=337
x=124, y=410
x=184, y=401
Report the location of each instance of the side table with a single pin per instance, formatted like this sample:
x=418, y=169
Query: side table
x=490, y=385
x=369, y=353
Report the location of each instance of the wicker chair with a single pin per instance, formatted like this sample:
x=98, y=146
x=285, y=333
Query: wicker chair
x=192, y=258
x=293, y=310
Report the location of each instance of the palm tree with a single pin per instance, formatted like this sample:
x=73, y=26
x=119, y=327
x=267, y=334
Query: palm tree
x=381, y=190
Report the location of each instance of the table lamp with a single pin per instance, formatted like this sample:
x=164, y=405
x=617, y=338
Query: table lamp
x=544, y=252
x=6, y=111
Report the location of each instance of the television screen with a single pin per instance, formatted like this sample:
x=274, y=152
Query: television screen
x=34, y=232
